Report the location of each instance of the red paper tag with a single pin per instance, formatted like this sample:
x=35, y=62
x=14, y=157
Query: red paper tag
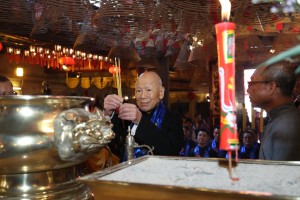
x=279, y=26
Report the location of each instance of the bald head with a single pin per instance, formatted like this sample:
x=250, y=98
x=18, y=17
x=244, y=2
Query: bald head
x=151, y=75
x=149, y=91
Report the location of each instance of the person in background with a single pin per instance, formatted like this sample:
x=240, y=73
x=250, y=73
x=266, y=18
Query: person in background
x=249, y=149
x=151, y=123
x=271, y=89
x=215, y=142
x=203, y=148
x=188, y=122
x=6, y=87
x=256, y=137
x=188, y=142
x=198, y=123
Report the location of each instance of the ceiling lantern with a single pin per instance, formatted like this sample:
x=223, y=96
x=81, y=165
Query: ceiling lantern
x=66, y=62
x=113, y=69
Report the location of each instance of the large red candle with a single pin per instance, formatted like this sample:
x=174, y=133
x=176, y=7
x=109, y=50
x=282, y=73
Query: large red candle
x=226, y=66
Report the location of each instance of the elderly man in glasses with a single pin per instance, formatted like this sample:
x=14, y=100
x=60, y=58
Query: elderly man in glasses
x=6, y=87
x=271, y=89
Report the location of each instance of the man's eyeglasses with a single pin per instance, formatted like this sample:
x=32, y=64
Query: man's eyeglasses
x=250, y=83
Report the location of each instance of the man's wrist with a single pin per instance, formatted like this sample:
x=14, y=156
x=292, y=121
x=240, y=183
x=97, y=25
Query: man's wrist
x=138, y=119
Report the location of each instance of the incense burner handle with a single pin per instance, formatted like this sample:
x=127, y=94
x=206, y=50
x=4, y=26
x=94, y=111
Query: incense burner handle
x=79, y=133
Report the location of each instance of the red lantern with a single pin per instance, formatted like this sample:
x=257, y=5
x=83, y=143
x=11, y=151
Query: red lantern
x=68, y=61
x=113, y=69
x=1, y=46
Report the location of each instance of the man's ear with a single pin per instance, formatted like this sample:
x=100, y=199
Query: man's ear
x=272, y=87
x=161, y=93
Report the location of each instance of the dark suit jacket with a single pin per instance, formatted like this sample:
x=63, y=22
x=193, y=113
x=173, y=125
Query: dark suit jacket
x=167, y=141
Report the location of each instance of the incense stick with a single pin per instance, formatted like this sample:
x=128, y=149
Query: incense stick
x=118, y=77
x=230, y=167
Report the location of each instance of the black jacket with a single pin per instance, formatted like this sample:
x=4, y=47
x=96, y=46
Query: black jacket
x=168, y=141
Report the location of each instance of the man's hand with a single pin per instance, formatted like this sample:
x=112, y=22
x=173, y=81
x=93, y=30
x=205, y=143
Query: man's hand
x=130, y=112
x=111, y=103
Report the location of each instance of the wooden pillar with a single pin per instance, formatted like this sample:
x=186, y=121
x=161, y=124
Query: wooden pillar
x=163, y=71
x=239, y=94
x=192, y=108
x=239, y=83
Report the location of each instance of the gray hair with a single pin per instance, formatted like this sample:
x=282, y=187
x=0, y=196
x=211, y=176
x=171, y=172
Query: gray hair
x=282, y=73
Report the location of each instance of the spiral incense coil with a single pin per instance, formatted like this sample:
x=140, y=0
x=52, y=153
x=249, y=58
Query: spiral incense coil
x=254, y=14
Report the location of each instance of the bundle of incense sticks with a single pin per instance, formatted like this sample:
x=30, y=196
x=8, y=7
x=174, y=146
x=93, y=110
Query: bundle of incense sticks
x=118, y=76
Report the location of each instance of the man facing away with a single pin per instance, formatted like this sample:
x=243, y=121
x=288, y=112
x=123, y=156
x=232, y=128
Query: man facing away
x=151, y=123
x=271, y=89
x=6, y=87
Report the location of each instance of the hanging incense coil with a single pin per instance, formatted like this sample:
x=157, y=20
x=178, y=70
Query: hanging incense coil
x=203, y=48
x=90, y=38
x=247, y=13
x=124, y=52
x=183, y=56
x=121, y=15
x=59, y=18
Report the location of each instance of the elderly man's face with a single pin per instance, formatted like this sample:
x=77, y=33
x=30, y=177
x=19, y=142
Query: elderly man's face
x=148, y=92
x=6, y=88
x=258, y=89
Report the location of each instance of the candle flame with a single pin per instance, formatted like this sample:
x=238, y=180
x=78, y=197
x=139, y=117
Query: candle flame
x=226, y=7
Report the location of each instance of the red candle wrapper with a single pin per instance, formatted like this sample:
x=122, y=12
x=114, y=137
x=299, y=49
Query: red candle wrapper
x=226, y=66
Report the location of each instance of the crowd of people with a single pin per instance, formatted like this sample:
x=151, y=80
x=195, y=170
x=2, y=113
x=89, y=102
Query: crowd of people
x=199, y=141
